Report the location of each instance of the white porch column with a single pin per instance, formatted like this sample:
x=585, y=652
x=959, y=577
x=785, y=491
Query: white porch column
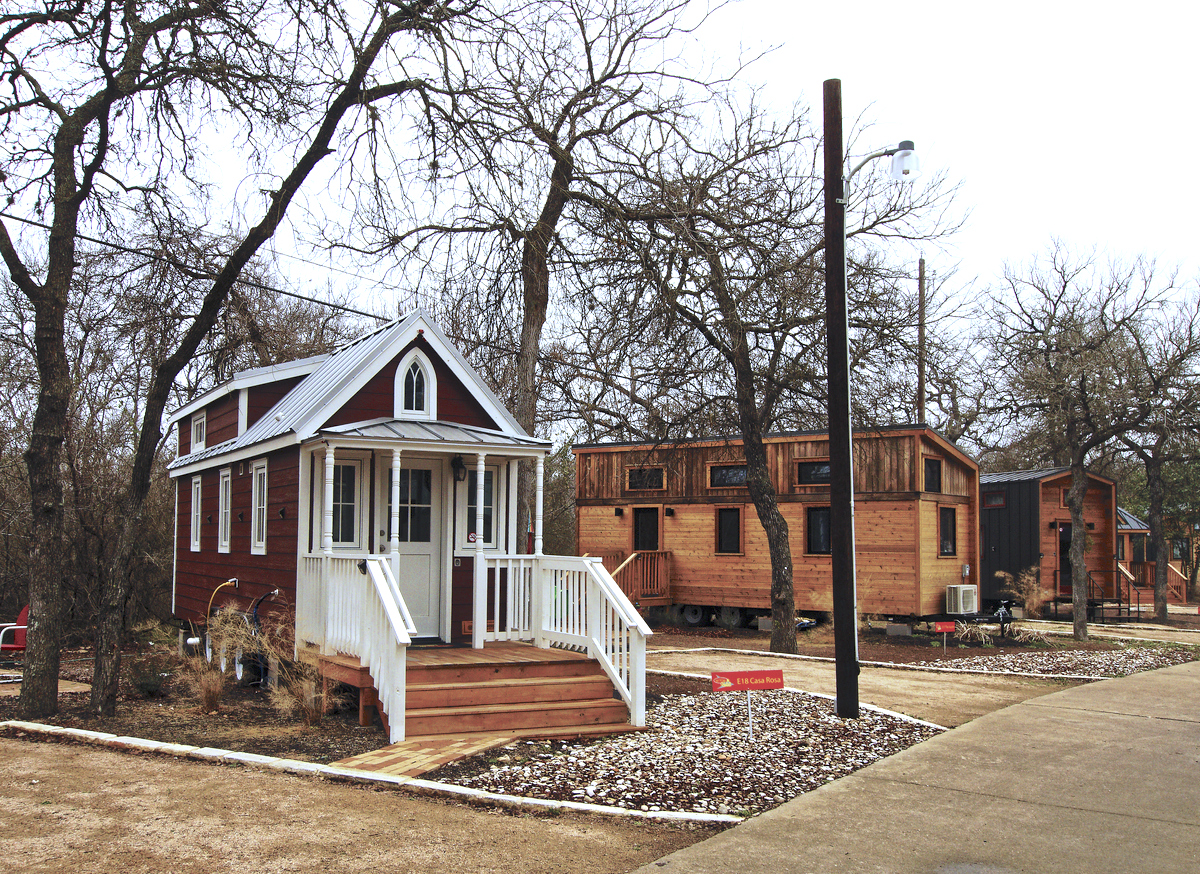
x=479, y=599
x=537, y=510
x=327, y=510
x=394, y=540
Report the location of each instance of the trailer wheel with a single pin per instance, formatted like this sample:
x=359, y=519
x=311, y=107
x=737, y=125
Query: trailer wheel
x=694, y=615
x=731, y=617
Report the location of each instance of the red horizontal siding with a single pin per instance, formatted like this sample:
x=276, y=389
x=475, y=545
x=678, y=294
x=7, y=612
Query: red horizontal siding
x=197, y=574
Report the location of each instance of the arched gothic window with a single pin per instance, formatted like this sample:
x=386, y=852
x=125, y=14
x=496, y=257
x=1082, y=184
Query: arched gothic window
x=414, y=389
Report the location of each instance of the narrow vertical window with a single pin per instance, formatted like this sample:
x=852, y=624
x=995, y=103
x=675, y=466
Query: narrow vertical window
x=345, y=502
x=489, y=503
x=947, y=531
x=933, y=474
x=196, y=513
x=817, y=536
x=258, y=522
x=729, y=530
x=199, y=424
x=224, y=493
x=414, y=389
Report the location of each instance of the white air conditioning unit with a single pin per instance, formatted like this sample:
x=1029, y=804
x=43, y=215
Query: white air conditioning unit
x=962, y=599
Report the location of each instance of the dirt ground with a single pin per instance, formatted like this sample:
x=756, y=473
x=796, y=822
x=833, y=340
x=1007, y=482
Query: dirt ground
x=84, y=809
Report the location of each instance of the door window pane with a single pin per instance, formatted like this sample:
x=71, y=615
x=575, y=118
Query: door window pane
x=645, y=529
x=344, y=503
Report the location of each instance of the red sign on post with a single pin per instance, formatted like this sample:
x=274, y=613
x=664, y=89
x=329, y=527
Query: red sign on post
x=746, y=681
x=943, y=628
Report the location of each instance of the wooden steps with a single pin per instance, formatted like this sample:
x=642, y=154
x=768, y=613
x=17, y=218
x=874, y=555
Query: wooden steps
x=555, y=694
x=519, y=690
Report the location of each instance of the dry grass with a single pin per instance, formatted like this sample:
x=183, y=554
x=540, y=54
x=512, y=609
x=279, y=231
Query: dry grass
x=1025, y=634
x=205, y=681
x=965, y=633
x=295, y=686
x=1027, y=589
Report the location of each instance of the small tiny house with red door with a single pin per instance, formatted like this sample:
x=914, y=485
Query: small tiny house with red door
x=376, y=488
x=676, y=524
x=1025, y=523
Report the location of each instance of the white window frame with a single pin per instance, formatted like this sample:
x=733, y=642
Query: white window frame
x=258, y=507
x=224, y=511
x=360, y=502
x=419, y=358
x=199, y=430
x=197, y=498
x=499, y=508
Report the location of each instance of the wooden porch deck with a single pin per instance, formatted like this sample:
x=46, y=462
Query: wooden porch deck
x=505, y=652
x=461, y=701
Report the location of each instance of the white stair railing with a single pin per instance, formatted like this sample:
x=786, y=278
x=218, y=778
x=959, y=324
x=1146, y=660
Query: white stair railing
x=366, y=617
x=573, y=603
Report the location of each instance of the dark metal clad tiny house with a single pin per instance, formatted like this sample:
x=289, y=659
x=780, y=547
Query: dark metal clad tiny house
x=1025, y=523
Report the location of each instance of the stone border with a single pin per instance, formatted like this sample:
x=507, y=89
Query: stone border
x=214, y=755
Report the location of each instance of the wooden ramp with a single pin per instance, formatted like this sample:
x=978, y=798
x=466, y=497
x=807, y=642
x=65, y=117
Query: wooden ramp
x=505, y=688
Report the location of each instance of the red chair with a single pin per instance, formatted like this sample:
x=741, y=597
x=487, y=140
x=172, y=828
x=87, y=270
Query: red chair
x=12, y=636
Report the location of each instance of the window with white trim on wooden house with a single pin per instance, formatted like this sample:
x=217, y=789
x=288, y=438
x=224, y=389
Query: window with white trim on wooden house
x=258, y=507
x=196, y=496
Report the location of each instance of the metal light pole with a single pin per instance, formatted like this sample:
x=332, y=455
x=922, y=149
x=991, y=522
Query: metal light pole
x=837, y=338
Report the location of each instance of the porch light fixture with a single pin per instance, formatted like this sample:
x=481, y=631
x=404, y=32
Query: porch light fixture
x=618, y=511
x=283, y=512
x=241, y=517
x=460, y=469
x=837, y=333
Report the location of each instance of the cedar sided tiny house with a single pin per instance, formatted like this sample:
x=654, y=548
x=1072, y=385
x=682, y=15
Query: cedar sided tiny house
x=1136, y=560
x=684, y=508
x=1025, y=523
x=355, y=483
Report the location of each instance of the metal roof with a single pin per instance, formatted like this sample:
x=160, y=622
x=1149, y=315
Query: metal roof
x=1021, y=475
x=1126, y=521
x=299, y=414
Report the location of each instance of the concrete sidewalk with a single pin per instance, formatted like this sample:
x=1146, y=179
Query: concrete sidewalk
x=1097, y=778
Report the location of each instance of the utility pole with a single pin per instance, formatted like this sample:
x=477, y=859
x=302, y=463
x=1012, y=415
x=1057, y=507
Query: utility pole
x=921, y=341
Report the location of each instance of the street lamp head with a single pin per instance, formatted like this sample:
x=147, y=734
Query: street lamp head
x=905, y=164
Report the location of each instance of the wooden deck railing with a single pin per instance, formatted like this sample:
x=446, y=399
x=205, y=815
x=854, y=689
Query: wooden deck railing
x=573, y=603
x=360, y=613
x=644, y=576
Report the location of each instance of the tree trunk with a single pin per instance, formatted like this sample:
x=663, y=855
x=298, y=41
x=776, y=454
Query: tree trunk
x=1157, y=489
x=535, y=286
x=1077, y=551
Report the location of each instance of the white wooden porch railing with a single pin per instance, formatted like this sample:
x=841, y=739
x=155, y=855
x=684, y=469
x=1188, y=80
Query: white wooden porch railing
x=362, y=615
x=573, y=603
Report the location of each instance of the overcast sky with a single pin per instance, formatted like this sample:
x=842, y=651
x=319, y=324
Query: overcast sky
x=1059, y=118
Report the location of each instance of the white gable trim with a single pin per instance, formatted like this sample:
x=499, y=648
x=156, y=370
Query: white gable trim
x=394, y=341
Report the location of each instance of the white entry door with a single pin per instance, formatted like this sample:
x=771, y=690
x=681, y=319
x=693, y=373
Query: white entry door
x=420, y=567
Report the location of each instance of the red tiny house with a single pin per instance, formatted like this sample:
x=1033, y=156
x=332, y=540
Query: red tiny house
x=375, y=489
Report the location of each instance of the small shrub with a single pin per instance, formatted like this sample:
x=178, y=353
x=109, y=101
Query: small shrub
x=149, y=674
x=965, y=634
x=1026, y=589
x=205, y=681
x=1025, y=634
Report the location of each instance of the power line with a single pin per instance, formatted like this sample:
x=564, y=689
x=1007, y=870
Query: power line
x=202, y=274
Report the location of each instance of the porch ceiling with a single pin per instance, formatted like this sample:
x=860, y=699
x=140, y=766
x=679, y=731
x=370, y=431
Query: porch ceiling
x=443, y=436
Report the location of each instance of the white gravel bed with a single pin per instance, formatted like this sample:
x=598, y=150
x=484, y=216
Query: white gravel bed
x=1130, y=659
x=696, y=756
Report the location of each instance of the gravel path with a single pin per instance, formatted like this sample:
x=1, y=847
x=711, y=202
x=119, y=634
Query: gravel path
x=696, y=756
x=1131, y=659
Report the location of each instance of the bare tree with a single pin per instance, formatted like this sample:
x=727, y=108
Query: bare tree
x=106, y=103
x=1166, y=347
x=723, y=237
x=1065, y=367
x=562, y=102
